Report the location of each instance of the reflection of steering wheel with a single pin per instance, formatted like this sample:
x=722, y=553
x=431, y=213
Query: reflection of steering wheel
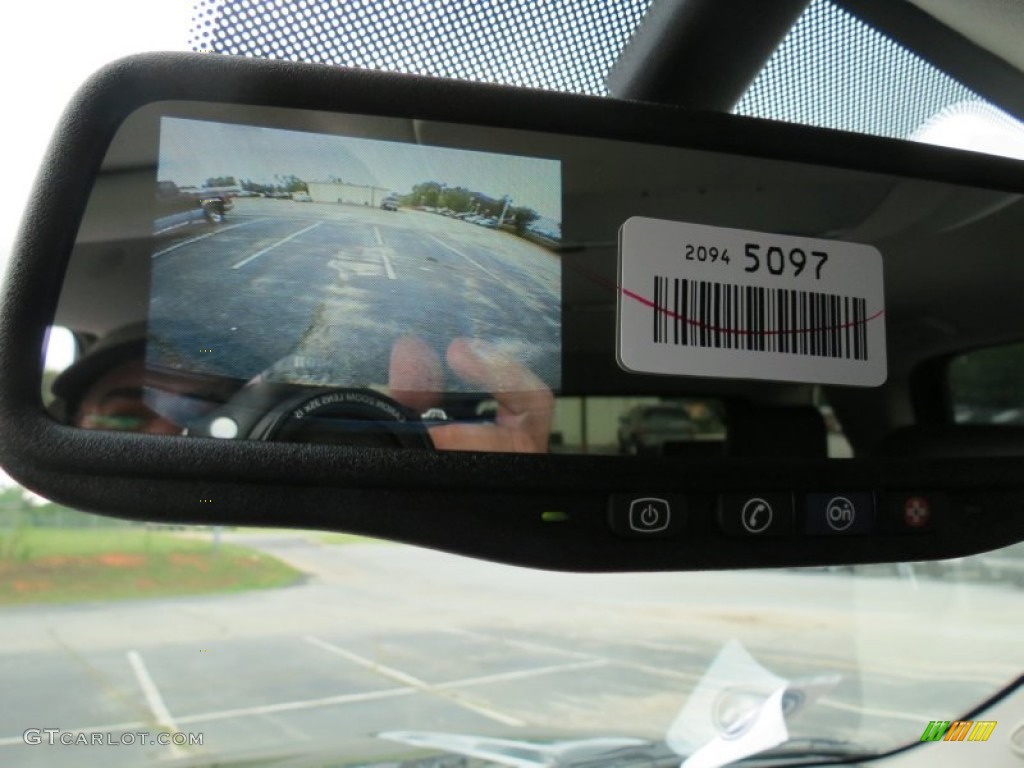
x=294, y=413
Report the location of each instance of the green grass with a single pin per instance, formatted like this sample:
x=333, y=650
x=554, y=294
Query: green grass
x=46, y=542
x=343, y=538
x=323, y=537
x=59, y=565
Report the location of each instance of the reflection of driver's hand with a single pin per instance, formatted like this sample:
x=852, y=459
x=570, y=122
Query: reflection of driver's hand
x=525, y=403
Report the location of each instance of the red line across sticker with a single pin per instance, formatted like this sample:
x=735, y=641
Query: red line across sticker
x=738, y=332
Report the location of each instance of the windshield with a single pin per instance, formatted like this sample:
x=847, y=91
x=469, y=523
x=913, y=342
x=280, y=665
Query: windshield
x=126, y=644
x=308, y=642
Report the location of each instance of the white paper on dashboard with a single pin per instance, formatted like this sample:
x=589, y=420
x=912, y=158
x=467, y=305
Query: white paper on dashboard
x=767, y=729
x=739, y=708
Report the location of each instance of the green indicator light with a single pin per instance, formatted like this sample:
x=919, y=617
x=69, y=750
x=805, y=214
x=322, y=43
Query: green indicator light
x=554, y=517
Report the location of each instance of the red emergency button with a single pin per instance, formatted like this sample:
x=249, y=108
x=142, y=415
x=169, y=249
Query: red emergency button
x=916, y=512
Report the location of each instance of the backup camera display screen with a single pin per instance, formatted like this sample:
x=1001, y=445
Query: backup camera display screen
x=307, y=257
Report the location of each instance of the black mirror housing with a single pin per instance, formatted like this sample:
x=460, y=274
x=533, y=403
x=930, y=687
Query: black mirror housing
x=663, y=513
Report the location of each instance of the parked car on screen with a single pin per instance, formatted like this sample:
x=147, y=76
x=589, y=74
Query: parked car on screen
x=176, y=207
x=646, y=429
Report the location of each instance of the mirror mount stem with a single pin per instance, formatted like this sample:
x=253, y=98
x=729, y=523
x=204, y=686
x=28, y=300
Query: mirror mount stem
x=679, y=41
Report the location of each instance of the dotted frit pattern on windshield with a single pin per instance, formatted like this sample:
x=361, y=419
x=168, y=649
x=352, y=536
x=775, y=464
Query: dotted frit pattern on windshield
x=562, y=45
x=835, y=71
x=831, y=70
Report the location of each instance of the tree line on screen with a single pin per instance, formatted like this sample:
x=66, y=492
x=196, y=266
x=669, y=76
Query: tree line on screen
x=284, y=184
x=427, y=194
x=288, y=183
x=433, y=194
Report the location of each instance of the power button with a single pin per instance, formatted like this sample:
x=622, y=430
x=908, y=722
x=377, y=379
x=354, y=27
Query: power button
x=646, y=515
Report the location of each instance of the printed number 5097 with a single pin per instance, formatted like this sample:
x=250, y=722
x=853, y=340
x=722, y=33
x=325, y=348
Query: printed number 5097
x=776, y=260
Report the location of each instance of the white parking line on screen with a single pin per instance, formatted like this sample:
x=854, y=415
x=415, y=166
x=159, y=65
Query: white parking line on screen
x=191, y=240
x=271, y=247
x=468, y=258
x=153, y=698
x=416, y=683
x=388, y=268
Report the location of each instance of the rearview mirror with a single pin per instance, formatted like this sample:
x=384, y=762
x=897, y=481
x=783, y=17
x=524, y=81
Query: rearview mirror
x=544, y=329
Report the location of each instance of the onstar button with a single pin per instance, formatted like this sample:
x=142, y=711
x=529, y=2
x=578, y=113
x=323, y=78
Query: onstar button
x=756, y=514
x=839, y=513
x=646, y=515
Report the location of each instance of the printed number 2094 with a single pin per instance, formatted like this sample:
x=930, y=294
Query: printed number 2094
x=706, y=253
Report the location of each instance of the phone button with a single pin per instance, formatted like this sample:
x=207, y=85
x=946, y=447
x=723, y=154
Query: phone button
x=756, y=514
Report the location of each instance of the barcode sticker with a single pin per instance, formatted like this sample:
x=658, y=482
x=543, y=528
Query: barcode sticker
x=696, y=300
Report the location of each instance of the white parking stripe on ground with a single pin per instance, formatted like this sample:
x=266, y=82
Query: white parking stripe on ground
x=346, y=698
x=468, y=258
x=271, y=247
x=153, y=698
x=693, y=677
x=671, y=647
x=291, y=706
x=885, y=714
x=551, y=649
x=481, y=709
x=394, y=674
x=526, y=645
x=227, y=714
x=191, y=240
x=416, y=683
x=520, y=674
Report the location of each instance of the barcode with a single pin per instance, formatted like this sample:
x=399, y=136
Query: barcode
x=701, y=313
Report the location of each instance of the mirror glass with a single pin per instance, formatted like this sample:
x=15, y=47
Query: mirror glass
x=987, y=386
x=261, y=273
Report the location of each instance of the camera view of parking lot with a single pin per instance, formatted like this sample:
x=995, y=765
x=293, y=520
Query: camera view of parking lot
x=310, y=255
